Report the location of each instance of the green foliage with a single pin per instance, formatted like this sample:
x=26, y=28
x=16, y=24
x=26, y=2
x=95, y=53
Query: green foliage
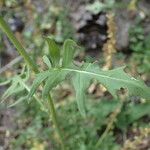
x=17, y=85
x=142, y=61
x=84, y=131
x=61, y=68
x=54, y=52
x=57, y=15
x=113, y=80
x=77, y=135
x=80, y=133
x=36, y=119
x=11, y=3
x=19, y=88
x=132, y=113
x=68, y=52
x=139, y=44
x=47, y=61
x=97, y=6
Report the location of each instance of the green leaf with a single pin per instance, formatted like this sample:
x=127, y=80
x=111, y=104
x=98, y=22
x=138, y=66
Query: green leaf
x=13, y=89
x=9, y=91
x=81, y=82
x=17, y=84
x=68, y=52
x=113, y=80
x=137, y=111
x=132, y=113
x=96, y=7
x=54, y=52
x=47, y=61
x=39, y=79
x=55, y=77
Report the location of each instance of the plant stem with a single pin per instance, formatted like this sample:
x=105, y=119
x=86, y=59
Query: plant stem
x=16, y=43
x=54, y=119
x=5, y=28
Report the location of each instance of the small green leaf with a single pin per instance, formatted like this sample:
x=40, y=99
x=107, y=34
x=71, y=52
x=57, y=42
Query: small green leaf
x=132, y=113
x=9, y=91
x=53, y=51
x=14, y=88
x=47, y=61
x=68, y=52
x=39, y=79
x=137, y=111
x=55, y=77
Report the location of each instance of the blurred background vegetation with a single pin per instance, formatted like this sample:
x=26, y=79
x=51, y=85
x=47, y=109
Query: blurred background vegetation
x=112, y=32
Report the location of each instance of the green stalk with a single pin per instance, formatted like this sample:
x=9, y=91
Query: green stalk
x=54, y=119
x=5, y=28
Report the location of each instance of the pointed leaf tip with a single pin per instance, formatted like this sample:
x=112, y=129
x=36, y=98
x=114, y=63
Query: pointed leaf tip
x=68, y=52
x=54, y=51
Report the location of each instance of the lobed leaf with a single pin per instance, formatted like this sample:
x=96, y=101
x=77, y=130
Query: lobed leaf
x=116, y=79
x=113, y=80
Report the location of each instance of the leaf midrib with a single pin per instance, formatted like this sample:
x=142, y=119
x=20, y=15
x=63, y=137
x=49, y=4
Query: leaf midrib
x=103, y=76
